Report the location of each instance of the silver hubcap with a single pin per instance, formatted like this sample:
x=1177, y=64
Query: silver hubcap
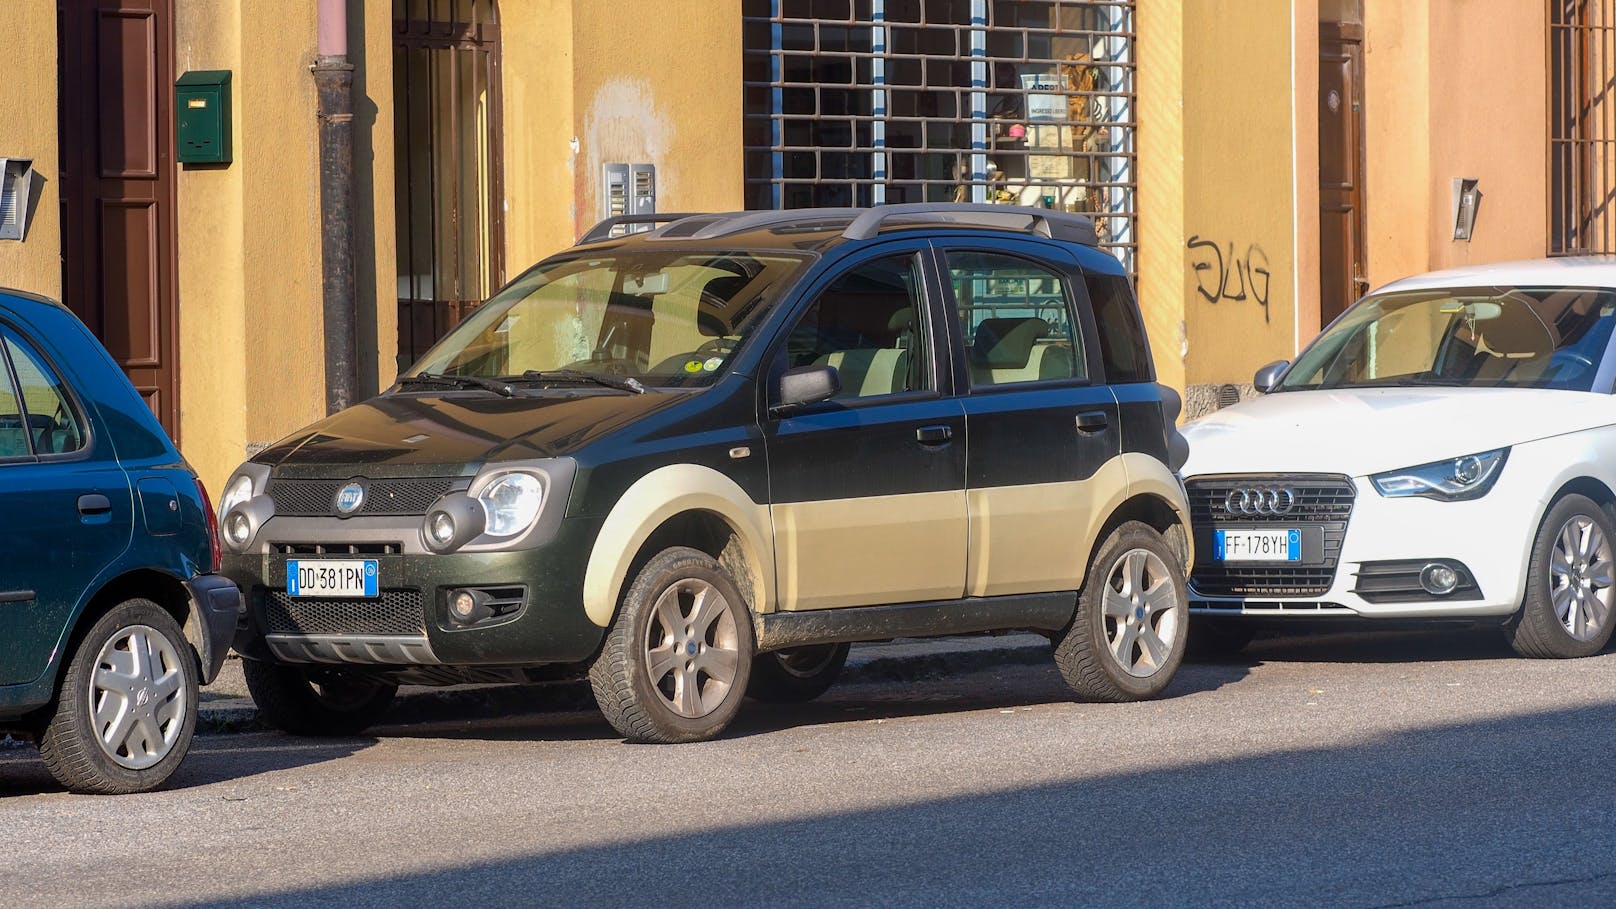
x=1581, y=588
x=691, y=648
x=137, y=698
x=1141, y=614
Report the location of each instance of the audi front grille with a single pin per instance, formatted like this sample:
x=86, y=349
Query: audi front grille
x=1265, y=500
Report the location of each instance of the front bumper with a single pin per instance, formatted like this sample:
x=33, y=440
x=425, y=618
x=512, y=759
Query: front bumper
x=408, y=623
x=1489, y=538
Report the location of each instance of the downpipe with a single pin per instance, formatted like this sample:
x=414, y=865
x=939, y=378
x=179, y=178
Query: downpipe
x=333, y=81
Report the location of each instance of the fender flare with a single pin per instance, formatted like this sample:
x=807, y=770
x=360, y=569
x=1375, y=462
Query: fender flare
x=653, y=499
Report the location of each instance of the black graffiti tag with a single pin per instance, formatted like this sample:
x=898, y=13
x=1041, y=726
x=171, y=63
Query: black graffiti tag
x=1217, y=268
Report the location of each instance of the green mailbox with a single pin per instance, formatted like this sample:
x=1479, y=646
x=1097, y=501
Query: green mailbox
x=202, y=116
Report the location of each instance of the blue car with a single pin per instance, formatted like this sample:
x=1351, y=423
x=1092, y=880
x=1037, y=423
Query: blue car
x=111, y=610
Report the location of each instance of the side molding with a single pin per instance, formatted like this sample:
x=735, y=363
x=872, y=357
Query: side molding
x=648, y=504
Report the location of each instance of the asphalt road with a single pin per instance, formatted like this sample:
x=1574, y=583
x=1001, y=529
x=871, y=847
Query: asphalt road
x=1403, y=769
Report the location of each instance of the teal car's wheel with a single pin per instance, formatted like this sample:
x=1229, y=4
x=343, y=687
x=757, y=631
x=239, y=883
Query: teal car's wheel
x=676, y=662
x=127, y=707
x=316, y=702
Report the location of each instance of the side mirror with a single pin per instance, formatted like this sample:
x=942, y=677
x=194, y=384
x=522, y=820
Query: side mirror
x=806, y=385
x=1269, y=376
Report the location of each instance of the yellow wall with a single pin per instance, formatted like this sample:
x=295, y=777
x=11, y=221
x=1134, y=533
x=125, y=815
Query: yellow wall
x=1239, y=188
x=1160, y=200
x=591, y=83
x=28, y=130
x=252, y=354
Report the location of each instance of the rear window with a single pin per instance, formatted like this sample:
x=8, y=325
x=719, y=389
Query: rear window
x=1122, y=335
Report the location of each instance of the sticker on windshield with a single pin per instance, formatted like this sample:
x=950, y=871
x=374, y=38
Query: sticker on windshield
x=713, y=363
x=693, y=366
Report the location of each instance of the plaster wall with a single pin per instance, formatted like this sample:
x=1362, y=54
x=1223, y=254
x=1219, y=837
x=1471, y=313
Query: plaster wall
x=28, y=130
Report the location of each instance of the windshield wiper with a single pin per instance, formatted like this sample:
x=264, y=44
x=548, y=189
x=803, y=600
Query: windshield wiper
x=622, y=383
x=496, y=386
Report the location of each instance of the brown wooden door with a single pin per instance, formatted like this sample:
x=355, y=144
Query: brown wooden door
x=1343, y=276
x=116, y=68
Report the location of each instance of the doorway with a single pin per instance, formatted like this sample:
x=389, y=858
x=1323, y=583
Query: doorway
x=115, y=66
x=1343, y=275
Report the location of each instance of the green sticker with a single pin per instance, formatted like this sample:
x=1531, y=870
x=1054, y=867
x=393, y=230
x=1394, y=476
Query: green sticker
x=693, y=366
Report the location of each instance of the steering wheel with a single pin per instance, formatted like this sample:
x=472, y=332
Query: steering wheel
x=719, y=347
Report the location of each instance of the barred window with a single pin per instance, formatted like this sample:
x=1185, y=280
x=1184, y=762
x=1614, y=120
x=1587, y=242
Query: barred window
x=1582, y=127
x=865, y=102
x=446, y=116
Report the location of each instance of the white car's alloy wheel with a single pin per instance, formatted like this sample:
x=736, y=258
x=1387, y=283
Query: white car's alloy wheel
x=1581, y=562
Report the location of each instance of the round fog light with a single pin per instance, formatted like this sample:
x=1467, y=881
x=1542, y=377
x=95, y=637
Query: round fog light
x=464, y=606
x=1438, y=579
x=237, y=528
x=441, y=528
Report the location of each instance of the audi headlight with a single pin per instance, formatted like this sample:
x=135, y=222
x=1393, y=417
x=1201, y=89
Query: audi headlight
x=1452, y=480
x=511, y=503
x=238, y=490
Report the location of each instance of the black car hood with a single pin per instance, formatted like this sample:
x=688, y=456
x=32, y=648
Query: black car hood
x=401, y=434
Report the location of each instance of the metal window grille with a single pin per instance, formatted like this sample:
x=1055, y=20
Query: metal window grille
x=865, y=102
x=1582, y=126
x=447, y=122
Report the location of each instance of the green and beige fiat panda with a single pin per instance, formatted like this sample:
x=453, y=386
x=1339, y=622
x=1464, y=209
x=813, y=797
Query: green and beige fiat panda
x=695, y=461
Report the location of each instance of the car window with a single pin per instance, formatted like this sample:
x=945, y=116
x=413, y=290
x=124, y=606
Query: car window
x=869, y=324
x=1122, y=336
x=1015, y=319
x=46, y=417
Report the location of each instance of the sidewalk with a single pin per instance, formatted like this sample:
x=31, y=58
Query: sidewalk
x=226, y=707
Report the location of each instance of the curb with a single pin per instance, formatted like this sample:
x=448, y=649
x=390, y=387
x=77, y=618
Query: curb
x=884, y=663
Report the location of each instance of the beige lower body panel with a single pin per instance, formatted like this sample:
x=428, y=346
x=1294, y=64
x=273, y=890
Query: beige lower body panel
x=870, y=550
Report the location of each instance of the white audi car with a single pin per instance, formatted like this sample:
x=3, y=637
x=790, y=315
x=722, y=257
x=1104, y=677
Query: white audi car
x=1446, y=449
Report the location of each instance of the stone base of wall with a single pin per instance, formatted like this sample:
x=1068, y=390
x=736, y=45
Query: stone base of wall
x=1200, y=400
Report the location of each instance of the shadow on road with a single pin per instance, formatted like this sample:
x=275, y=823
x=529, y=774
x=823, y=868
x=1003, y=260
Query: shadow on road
x=1513, y=811
x=211, y=760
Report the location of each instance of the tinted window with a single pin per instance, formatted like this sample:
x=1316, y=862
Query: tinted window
x=869, y=325
x=1122, y=336
x=1015, y=318
x=45, y=419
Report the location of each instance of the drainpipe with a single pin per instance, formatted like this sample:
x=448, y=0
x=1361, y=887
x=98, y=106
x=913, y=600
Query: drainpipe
x=333, y=82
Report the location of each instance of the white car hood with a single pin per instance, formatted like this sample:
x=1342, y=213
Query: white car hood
x=1365, y=431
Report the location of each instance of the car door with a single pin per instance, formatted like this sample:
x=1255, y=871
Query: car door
x=1039, y=430
x=867, y=490
x=66, y=511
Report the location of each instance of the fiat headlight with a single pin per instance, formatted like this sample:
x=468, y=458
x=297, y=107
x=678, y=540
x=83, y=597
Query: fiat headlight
x=1452, y=480
x=238, y=490
x=511, y=503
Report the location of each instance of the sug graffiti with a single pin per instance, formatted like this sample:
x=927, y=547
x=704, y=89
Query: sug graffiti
x=1221, y=275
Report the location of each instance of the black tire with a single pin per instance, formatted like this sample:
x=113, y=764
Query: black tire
x=1537, y=629
x=1085, y=656
x=160, y=705
x=684, y=701
x=1214, y=638
x=316, y=702
x=797, y=674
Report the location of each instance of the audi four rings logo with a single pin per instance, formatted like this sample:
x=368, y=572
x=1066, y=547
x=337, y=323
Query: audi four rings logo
x=1263, y=500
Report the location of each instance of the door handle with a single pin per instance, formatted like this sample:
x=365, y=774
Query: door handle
x=94, y=503
x=1092, y=421
x=933, y=435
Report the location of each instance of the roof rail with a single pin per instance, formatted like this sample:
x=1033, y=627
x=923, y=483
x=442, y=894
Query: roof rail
x=1057, y=225
x=603, y=230
x=740, y=222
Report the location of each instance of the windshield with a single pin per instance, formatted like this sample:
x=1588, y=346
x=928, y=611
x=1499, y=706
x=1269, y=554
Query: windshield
x=663, y=319
x=1514, y=337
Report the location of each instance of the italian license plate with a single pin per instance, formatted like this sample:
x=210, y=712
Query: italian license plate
x=331, y=577
x=1257, y=546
